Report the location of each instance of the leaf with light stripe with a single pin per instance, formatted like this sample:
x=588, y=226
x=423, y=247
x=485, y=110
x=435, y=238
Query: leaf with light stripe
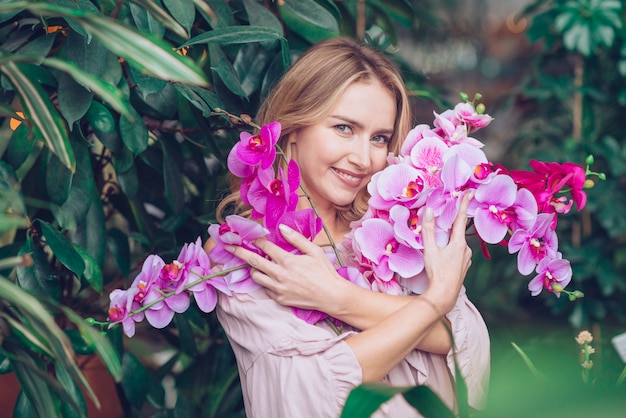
x=151, y=55
x=48, y=124
x=162, y=16
x=235, y=35
x=107, y=92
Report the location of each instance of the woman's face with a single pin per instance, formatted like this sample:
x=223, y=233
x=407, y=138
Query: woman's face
x=338, y=155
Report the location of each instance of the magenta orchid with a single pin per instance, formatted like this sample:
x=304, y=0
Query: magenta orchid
x=384, y=250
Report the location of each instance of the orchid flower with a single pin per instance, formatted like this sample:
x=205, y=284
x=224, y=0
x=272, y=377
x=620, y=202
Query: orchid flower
x=534, y=244
x=550, y=271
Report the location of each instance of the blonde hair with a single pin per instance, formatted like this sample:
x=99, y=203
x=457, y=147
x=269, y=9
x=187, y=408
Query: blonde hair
x=308, y=91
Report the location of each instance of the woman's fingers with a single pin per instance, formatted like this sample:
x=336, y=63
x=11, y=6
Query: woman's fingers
x=458, y=227
x=428, y=231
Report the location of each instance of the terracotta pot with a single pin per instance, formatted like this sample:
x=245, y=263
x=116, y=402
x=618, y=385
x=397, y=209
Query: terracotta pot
x=99, y=379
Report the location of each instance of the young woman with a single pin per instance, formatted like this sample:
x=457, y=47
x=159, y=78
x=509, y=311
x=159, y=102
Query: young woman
x=343, y=107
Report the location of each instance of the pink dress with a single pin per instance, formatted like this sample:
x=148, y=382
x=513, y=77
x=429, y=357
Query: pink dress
x=291, y=369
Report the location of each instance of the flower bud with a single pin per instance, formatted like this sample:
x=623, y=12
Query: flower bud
x=557, y=287
x=578, y=294
x=464, y=96
x=480, y=108
x=478, y=96
x=588, y=184
x=602, y=176
x=589, y=160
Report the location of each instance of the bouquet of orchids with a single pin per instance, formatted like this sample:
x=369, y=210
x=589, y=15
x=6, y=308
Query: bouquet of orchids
x=437, y=165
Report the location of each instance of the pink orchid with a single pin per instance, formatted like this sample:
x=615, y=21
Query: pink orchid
x=122, y=304
x=466, y=113
x=550, y=271
x=397, y=184
x=445, y=201
x=548, y=179
x=452, y=130
x=304, y=221
x=259, y=149
x=236, y=230
x=490, y=208
x=196, y=265
x=276, y=197
x=534, y=244
x=153, y=282
x=388, y=256
x=427, y=155
x=414, y=136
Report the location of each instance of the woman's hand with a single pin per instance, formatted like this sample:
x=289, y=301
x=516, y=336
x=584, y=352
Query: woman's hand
x=446, y=267
x=302, y=280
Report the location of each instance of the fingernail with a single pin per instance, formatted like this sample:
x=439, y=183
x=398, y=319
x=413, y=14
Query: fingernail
x=428, y=215
x=229, y=248
x=284, y=229
x=470, y=195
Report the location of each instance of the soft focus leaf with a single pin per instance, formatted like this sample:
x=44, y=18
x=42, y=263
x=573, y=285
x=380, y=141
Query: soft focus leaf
x=183, y=11
x=39, y=109
x=174, y=188
x=365, y=399
x=117, y=243
x=68, y=410
x=134, y=132
x=105, y=91
x=225, y=70
x=100, y=343
x=235, y=35
x=308, y=19
x=134, y=379
x=92, y=272
x=62, y=248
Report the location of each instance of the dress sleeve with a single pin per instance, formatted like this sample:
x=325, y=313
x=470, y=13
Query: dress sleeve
x=288, y=368
x=471, y=349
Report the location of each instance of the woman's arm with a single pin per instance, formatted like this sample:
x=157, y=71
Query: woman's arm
x=310, y=281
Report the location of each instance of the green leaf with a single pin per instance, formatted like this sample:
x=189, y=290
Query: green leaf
x=185, y=335
x=79, y=344
x=100, y=343
x=145, y=22
x=40, y=111
x=134, y=132
x=92, y=272
x=91, y=234
x=35, y=399
x=217, y=12
x=174, y=188
x=8, y=222
x=134, y=379
x=10, y=191
x=365, y=399
x=183, y=11
x=310, y=20
x=105, y=91
x=260, y=16
x=37, y=277
x=74, y=99
x=79, y=409
x=117, y=243
x=103, y=122
x=58, y=180
x=150, y=54
x=225, y=70
x=203, y=99
x=62, y=249
x=235, y=35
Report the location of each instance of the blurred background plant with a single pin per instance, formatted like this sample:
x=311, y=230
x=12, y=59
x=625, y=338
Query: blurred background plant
x=113, y=146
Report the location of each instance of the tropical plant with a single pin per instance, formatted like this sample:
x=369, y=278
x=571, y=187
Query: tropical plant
x=112, y=143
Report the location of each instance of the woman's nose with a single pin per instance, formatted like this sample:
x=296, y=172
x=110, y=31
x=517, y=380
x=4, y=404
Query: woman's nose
x=360, y=153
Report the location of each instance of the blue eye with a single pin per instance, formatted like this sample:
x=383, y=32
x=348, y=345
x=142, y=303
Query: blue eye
x=381, y=139
x=342, y=128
